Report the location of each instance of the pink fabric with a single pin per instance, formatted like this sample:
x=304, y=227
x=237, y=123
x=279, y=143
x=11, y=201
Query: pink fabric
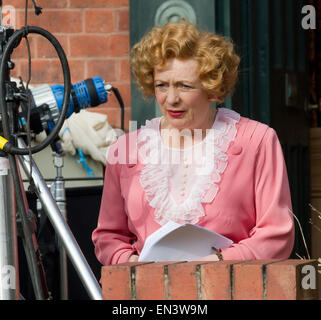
x=251, y=206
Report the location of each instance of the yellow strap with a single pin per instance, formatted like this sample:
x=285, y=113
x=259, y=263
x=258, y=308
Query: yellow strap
x=3, y=141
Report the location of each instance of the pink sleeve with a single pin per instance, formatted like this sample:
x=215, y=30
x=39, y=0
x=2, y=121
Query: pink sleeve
x=273, y=235
x=111, y=238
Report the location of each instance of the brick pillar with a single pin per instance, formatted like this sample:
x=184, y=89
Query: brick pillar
x=222, y=280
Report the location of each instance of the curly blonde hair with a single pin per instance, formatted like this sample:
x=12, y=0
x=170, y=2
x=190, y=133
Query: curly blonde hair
x=217, y=60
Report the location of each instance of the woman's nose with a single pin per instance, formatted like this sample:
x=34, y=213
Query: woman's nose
x=172, y=96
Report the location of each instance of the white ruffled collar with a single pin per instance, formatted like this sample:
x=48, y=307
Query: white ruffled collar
x=155, y=175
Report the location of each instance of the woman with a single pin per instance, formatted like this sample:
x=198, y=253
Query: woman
x=196, y=163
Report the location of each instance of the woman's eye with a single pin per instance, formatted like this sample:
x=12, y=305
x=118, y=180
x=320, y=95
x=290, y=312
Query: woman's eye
x=160, y=86
x=185, y=86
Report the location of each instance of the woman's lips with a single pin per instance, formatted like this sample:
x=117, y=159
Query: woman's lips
x=175, y=114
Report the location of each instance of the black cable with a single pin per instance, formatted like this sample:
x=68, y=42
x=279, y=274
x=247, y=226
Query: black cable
x=38, y=10
x=26, y=13
x=9, y=148
x=27, y=91
x=121, y=103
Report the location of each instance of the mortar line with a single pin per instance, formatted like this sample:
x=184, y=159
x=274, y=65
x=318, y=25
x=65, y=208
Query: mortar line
x=199, y=281
x=133, y=282
x=231, y=282
x=167, y=297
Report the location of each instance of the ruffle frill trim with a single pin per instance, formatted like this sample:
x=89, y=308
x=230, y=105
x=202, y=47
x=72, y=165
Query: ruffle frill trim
x=155, y=175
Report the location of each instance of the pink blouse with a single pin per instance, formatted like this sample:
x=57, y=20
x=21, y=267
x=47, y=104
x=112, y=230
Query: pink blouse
x=241, y=191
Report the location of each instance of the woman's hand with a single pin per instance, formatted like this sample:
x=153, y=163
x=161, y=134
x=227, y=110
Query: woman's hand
x=133, y=258
x=211, y=257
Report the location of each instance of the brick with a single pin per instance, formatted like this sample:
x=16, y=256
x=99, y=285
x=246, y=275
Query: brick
x=123, y=20
x=150, y=281
x=270, y=279
x=88, y=46
x=248, y=280
x=43, y=71
x=77, y=70
x=118, y=45
x=104, y=68
x=183, y=281
x=54, y=21
x=99, y=21
x=117, y=281
x=48, y=4
x=98, y=3
x=216, y=280
x=46, y=50
x=124, y=67
x=284, y=280
x=21, y=52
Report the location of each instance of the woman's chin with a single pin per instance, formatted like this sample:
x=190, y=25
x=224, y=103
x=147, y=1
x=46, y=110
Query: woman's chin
x=177, y=123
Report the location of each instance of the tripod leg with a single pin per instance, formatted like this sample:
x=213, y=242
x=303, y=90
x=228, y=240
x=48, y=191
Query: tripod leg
x=9, y=288
x=28, y=236
x=62, y=229
x=58, y=191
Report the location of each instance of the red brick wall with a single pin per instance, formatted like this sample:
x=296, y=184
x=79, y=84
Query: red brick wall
x=223, y=280
x=95, y=37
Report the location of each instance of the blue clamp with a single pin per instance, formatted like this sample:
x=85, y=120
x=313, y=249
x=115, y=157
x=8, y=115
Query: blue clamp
x=82, y=160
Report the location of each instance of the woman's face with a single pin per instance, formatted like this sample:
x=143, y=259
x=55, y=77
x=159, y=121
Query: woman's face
x=180, y=96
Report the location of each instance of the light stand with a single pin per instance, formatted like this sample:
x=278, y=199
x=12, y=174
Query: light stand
x=58, y=191
x=14, y=205
x=13, y=199
x=61, y=228
x=9, y=290
x=8, y=231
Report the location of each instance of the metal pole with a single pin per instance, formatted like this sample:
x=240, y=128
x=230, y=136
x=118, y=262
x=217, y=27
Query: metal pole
x=59, y=224
x=9, y=270
x=28, y=235
x=58, y=191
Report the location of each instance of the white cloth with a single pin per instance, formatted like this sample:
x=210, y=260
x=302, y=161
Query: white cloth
x=88, y=131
